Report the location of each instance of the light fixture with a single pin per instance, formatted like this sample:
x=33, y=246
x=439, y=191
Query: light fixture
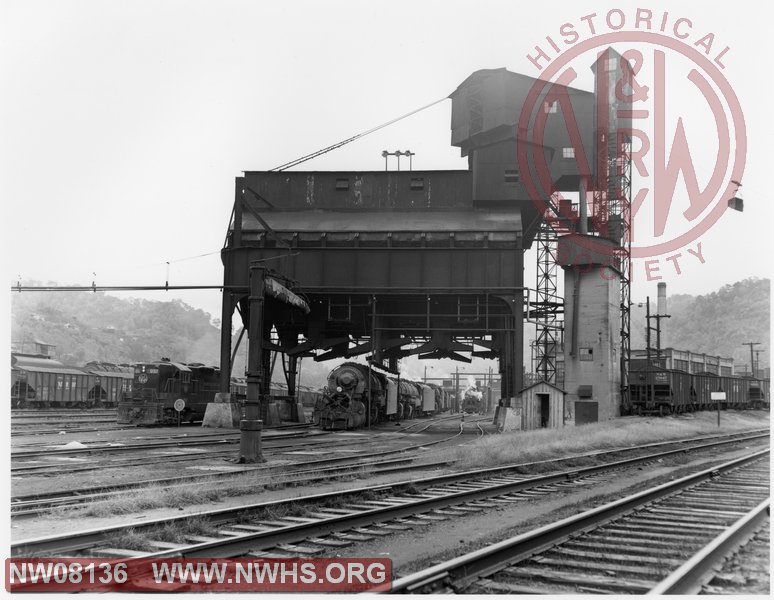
x=736, y=202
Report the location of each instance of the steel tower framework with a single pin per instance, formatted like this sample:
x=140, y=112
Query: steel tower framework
x=612, y=219
x=548, y=304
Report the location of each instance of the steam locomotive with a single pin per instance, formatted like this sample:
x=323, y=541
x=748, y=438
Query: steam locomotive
x=349, y=398
x=472, y=401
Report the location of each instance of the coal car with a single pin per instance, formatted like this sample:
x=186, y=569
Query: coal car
x=656, y=390
x=38, y=381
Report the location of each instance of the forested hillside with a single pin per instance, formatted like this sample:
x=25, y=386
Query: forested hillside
x=718, y=323
x=88, y=326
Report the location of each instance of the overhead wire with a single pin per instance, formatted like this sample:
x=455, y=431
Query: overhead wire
x=282, y=167
x=327, y=149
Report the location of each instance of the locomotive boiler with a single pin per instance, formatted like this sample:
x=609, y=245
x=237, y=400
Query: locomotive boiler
x=348, y=398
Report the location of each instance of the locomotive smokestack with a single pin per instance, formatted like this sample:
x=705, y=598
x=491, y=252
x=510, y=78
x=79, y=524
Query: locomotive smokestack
x=662, y=303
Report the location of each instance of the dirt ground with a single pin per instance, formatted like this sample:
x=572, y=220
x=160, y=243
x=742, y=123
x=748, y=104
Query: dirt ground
x=195, y=460
x=428, y=544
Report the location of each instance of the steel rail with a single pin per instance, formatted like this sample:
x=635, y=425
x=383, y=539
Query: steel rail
x=458, y=573
x=35, y=469
x=40, y=412
x=233, y=546
x=19, y=502
x=28, y=506
x=37, y=432
x=164, y=435
x=222, y=440
x=44, y=469
x=701, y=567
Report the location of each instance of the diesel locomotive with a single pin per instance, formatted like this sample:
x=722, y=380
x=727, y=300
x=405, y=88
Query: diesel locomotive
x=158, y=386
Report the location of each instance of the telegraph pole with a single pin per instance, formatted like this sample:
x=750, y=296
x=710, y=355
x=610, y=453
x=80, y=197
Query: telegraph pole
x=752, y=355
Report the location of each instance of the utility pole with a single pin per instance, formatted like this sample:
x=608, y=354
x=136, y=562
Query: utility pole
x=752, y=355
x=658, y=318
x=648, y=331
x=651, y=388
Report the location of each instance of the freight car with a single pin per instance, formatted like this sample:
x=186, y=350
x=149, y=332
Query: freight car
x=158, y=386
x=345, y=401
x=41, y=382
x=661, y=391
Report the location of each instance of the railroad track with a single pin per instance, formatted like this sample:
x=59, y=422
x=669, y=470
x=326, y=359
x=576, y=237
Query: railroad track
x=665, y=540
x=309, y=471
x=214, y=439
x=748, y=570
x=178, y=442
x=165, y=436
x=33, y=412
x=18, y=430
x=311, y=524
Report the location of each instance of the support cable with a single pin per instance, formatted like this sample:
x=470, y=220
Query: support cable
x=327, y=149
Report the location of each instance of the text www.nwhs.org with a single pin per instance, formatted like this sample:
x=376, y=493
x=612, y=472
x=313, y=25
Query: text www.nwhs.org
x=266, y=575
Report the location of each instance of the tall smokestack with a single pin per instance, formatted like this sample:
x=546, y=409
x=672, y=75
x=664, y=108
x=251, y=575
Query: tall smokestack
x=661, y=305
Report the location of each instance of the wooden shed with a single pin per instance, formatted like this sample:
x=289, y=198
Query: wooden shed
x=542, y=405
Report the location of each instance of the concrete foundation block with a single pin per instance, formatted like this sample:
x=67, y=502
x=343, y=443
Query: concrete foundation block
x=512, y=419
x=222, y=415
x=300, y=416
x=272, y=415
x=285, y=409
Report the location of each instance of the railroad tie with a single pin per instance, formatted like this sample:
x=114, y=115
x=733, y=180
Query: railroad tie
x=330, y=542
x=302, y=550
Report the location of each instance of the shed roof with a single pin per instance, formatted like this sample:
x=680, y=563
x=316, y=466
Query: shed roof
x=557, y=388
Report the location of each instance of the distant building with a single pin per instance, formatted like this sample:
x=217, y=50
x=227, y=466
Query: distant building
x=685, y=360
x=35, y=347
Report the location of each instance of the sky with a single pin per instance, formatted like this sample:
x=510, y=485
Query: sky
x=125, y=123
